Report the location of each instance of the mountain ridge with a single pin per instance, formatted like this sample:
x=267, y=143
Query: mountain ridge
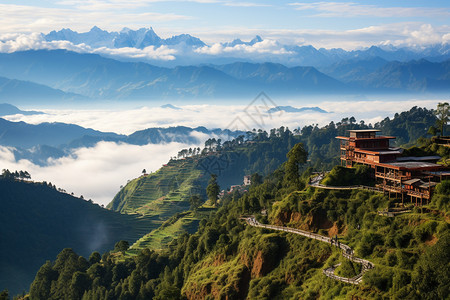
x=140, y=38
x=95, y=77
x=7, y=109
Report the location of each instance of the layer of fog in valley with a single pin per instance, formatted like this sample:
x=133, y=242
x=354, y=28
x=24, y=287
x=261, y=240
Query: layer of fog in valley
x=98, y=172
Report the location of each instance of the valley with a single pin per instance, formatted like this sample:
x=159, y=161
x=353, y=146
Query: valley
x=163, y=222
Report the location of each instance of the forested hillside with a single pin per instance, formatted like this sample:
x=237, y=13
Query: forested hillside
x=37, y=222
x=203, y=248
x=227, y=259
x=258, y=152
x=168, y=193
x=180, y=178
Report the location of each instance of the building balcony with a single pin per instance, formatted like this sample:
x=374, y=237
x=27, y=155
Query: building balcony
x=424, y=194
x=391, y=176
x=397, y=189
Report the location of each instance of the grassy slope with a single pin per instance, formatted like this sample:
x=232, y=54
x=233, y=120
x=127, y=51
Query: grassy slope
x=37, y=222
x=162, y=194
x=159, y=238
x=166, y=192
x=395, y=245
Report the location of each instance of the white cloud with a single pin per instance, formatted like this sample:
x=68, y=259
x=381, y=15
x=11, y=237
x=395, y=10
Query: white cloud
x=23, y=18
x=148, y=53
x=264, y=47
x=22, y=42
x=246, y=4
x=124, y=4
x=98, y=172
x=351, y=9
x=425, y=35
x=398, y=34
x=221, y=116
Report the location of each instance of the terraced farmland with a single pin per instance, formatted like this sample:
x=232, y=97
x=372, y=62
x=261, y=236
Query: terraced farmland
x=161, y=194
x=174, y=227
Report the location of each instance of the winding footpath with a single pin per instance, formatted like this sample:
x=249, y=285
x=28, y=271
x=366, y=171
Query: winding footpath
x=315, y=182
x=347, y=252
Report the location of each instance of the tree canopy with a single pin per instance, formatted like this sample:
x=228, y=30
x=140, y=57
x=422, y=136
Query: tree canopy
x=213, y=189
x=296, y=156
x=442, y=114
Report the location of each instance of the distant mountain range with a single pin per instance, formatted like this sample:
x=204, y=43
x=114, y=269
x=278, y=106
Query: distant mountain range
x=24, y=91
x=377, y=73
x=39, y=142
x=96, y=77
x=55, y=76
x=68, y=76
x=294, y=109
x=170, y=106
x=8, y=109
x=294, y=55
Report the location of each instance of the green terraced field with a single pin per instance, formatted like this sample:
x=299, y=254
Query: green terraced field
x=162, y=194
x=163, y=198
x=159, y=238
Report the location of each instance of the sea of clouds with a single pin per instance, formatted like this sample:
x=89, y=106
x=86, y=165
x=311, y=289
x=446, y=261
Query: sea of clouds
x=98, y=172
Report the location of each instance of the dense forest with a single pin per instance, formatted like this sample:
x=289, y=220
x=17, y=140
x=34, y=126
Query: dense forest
x=226, y=258
x=263, y=152
x=37, y=222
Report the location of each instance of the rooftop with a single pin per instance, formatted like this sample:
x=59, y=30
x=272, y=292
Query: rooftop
x=428, y=184
x=379, y=151
x=439, y=173
x=363, y=130
x=412, y=181
x=414, y=165
x=380, y=137
x=418, y=158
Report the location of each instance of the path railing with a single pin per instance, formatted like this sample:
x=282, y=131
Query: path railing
x=347, y=252
x=348, y=187
x=315, y=182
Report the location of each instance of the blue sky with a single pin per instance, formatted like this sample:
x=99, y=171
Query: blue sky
x=303, y=22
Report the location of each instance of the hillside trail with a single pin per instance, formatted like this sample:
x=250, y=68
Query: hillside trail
x=347, y=252
x=315, y=182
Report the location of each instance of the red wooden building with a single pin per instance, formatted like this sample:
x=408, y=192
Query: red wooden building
x=414, y=177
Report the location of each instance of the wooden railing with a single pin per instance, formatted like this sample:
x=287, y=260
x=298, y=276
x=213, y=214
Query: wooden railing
x=347, y=187
x=391, y=176
x=397, y=189
x=418, y=194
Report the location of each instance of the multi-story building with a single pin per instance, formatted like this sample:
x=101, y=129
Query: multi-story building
x=413, y=177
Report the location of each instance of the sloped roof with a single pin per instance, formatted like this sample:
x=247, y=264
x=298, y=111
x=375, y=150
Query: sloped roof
x=415, y=165
x=418, y=158
x=428, y=184
x=363, y=130
x=412, y=181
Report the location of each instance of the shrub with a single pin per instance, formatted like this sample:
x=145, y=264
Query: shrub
x=379, y=278
x=391, y=259
x=368, y=243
